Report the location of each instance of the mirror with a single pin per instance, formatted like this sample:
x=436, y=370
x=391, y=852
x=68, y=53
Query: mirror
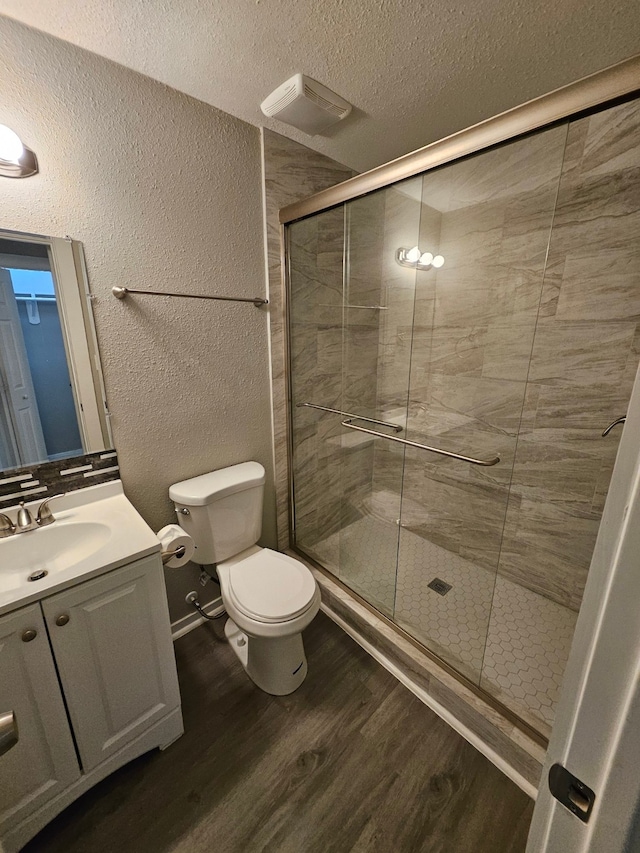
x=52, y=402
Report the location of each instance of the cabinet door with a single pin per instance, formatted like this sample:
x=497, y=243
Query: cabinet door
x=111, y=639
x=43, y=760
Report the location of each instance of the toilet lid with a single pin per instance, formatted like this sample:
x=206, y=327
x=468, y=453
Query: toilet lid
x=271, y=587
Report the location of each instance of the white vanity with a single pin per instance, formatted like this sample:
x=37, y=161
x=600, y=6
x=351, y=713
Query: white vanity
x=87, y=669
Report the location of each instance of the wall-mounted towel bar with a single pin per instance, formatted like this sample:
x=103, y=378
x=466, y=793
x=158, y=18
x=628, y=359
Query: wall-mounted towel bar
x=394, y=427
x=493, y=461
x=123, y=292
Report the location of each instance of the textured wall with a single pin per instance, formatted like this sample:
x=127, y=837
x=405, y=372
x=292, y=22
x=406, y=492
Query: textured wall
x=164, y=192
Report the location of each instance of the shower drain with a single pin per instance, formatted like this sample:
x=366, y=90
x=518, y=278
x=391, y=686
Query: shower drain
x=439, y=586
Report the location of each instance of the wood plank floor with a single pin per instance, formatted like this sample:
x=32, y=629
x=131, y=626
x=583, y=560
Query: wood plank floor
x=350, y=762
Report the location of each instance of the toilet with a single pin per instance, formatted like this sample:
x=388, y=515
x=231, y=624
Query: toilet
x=270, y=597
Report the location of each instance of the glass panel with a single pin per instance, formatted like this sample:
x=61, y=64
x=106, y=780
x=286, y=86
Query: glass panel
x=486, y=221
x=490, y=307
x=583, y=364
x=316, y=252
x=376, y=347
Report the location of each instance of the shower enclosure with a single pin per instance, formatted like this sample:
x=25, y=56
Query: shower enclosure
x=458, y=343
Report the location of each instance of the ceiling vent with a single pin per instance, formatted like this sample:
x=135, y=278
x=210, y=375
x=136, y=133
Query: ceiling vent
x=305, y=104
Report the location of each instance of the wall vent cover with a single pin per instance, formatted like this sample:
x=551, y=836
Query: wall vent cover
x=306, y=104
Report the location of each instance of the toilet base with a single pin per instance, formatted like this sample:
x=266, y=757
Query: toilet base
x=277, y=665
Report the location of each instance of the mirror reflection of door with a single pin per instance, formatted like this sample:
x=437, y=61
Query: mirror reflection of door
x=38, y=418
x=21, y=440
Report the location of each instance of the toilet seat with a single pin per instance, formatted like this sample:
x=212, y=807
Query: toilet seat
x=270, y=587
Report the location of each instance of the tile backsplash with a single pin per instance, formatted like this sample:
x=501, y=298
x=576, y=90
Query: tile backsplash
x=35, y=482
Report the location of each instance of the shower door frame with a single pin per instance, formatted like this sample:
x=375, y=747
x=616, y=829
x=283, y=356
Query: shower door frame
x=606, y=88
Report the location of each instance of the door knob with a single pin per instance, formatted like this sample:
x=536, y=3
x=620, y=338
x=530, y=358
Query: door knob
x=29, y=634
x=62, y=619
x=8, y=731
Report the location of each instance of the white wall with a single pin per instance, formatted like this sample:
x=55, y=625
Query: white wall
x=164, y=192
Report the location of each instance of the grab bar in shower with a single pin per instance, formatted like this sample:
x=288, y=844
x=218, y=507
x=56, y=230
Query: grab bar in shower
x=613, y=424
x=486, y=462
x=394, y=427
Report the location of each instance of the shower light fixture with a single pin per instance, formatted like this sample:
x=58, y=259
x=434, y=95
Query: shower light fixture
x=416, y=259
x=16, y=161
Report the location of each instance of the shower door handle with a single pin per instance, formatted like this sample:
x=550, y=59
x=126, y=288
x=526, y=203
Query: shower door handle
x=487, y=462
x=394, y=427
x=613, y=424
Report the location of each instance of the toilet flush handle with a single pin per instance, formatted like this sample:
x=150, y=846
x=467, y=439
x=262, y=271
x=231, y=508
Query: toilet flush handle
x=183, y=511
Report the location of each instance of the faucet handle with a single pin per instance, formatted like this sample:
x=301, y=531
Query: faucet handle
x=7, y=527
x=25, y=521
x=45, y=516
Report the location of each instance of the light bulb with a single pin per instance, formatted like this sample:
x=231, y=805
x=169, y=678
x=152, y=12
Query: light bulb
x=413, y=255
x=426, y=259
x=437, y=262
x=11, y=148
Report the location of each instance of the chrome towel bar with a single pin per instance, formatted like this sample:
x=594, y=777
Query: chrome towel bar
x=394, y=427
x=123, y=292
x=486, y=462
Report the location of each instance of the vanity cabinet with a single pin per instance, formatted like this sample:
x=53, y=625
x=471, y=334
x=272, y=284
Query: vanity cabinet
x=42, y=762
x=90, y=674
x=111, y=642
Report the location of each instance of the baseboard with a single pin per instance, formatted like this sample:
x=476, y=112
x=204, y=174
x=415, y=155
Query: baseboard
x=193, y=620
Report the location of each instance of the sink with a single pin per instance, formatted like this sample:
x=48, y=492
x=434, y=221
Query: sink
x=95, y=530
x=59, y=546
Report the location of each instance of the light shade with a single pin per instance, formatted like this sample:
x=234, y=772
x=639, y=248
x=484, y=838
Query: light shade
x=16, y=161
x=11, y=147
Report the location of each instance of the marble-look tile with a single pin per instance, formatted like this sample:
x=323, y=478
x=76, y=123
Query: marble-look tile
x=507, y=351
x=291, y=172
x=610, y=140
x=580, y=353
x=600, y=286
x=547, y=547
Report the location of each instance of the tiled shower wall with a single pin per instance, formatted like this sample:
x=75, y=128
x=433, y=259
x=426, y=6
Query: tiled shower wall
x=584, y=360
x=518, y=352
x=290, y=172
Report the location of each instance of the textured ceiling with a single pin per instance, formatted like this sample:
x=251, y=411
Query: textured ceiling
x=413, y=71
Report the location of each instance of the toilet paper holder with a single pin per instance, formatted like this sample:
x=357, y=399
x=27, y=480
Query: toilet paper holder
x=169, y=555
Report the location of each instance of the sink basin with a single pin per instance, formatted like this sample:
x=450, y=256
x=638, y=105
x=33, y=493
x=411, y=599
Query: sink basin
x=95, y=530
x=54, y=548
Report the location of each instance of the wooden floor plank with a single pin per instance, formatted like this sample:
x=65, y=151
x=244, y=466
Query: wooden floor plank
x=351, y=761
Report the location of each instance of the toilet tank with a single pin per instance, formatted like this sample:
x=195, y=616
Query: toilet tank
x=223, y=510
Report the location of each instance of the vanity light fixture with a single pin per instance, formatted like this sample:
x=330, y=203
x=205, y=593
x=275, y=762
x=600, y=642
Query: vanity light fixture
x=416, y=259
x=16, y=161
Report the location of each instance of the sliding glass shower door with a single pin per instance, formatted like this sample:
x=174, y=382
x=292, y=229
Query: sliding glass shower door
x=412, y=317
x=486, y=310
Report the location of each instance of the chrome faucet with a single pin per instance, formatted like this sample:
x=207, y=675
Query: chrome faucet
x=45, y=516
x=25, y=521
x=7, y=527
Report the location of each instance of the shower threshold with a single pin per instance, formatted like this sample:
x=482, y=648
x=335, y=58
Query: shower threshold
x=509, y=643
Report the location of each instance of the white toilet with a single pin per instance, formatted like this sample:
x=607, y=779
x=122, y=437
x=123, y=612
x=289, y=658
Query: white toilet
x=270, y=597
